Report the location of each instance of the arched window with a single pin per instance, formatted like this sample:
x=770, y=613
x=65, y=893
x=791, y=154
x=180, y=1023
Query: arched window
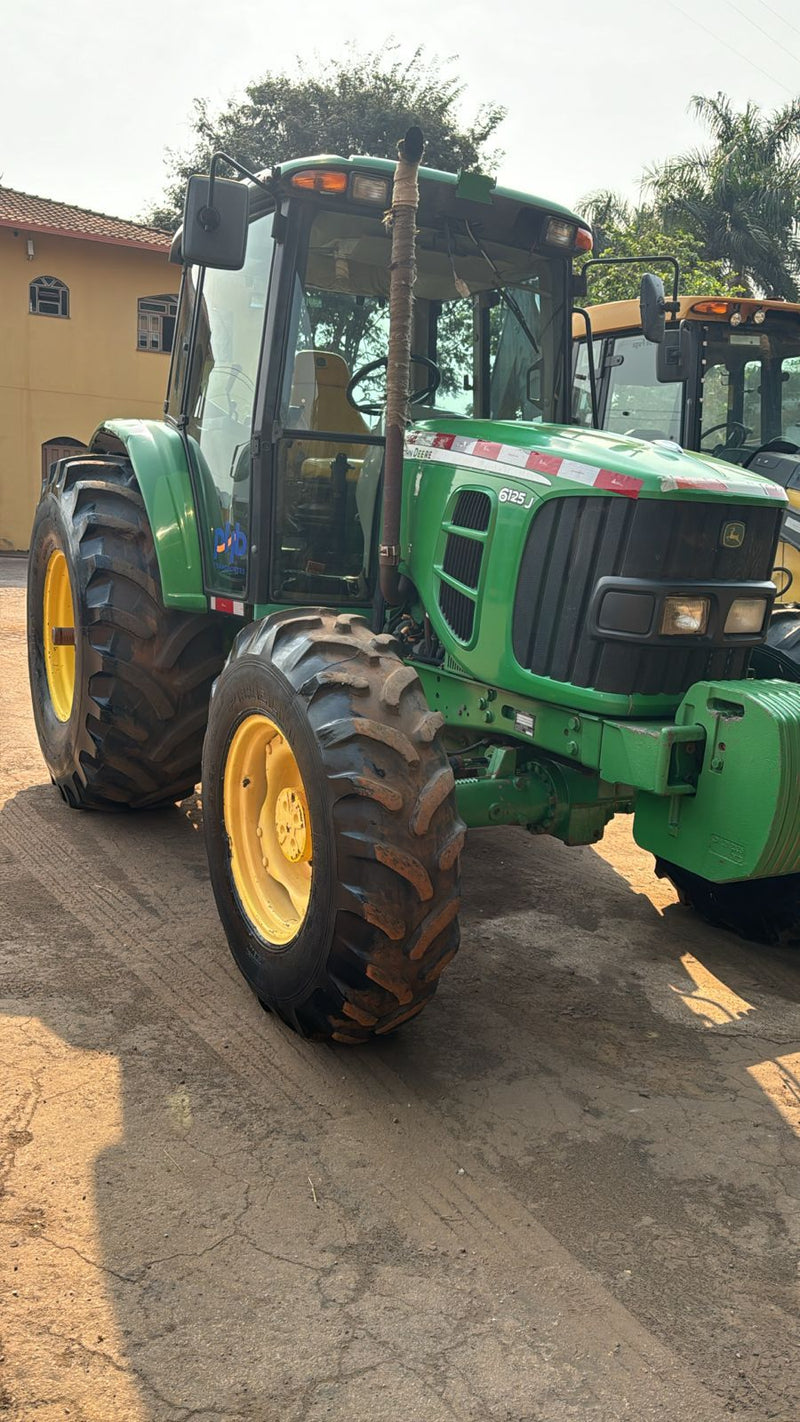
x=48, y=297
x=157, y=322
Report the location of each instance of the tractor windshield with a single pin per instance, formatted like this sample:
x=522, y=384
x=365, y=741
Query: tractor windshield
x=489, y=339
x=512, y=371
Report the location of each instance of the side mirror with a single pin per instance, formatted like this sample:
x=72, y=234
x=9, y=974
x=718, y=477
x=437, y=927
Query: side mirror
x=652, y=305
x=674, y=355
x=215, y=234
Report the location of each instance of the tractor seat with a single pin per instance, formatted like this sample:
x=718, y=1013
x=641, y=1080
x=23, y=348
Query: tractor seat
x=319, y=395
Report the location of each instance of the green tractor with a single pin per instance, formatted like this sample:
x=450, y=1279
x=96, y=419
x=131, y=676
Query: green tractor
x=365, y=632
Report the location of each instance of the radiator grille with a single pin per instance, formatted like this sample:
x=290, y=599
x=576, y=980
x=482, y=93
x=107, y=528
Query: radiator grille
x=458, y=611
x=575, y=541
x=462, y=559
x=472, y=510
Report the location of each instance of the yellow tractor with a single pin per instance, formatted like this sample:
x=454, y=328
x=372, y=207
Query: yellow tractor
x=720, y=376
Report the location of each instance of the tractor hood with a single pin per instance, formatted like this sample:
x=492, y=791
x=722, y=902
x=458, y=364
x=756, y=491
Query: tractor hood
x=555, y=455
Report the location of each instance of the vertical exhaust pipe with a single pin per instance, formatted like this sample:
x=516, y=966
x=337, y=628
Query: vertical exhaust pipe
x=403, y=274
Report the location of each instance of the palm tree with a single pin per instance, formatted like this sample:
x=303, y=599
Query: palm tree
x=606, y=210
x=740, y=194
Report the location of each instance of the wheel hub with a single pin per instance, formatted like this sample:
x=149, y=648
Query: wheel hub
x=58, y=635
x=291, y=819
x=269, y=830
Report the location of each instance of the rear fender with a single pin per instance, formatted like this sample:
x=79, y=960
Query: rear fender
x=158, y=456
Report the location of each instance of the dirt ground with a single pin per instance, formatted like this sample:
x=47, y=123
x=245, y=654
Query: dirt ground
x=568, y=1191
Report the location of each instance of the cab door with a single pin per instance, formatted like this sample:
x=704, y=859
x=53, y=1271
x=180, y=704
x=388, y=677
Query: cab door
x=222, y=316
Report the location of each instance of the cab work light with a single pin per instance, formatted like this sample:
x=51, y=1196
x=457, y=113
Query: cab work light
x=319, y=180
x=364, y=187
x=746, y=615
x=684, y=616
x=560, y=233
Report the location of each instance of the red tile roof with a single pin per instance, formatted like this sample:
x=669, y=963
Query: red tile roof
x=36, y=214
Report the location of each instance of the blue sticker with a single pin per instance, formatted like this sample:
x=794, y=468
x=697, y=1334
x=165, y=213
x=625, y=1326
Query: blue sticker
x=230, y=545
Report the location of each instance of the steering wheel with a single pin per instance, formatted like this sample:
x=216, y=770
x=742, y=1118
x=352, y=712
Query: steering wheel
x=417, y=397
x=734, y=427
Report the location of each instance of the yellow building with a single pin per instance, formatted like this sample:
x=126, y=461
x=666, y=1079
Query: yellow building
x=87, y=314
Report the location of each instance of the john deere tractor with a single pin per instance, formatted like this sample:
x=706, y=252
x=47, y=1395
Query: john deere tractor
x=721, y=377
x=386, y=608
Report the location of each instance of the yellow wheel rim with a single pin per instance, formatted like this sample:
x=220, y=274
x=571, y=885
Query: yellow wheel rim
x=269, y=830
x=58, y=623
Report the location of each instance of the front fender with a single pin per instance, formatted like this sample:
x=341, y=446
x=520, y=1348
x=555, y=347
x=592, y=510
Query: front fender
x=158, y=456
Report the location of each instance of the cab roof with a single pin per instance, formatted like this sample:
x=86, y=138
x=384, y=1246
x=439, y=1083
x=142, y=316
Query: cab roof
x=386, y=167
x=614, y=316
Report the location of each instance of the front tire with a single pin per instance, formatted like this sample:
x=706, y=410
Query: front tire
x=779, y=655
x=120, y=684
x=336, y=874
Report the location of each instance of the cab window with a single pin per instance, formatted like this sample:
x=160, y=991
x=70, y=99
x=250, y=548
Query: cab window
x=636, y=402
x=220, y=403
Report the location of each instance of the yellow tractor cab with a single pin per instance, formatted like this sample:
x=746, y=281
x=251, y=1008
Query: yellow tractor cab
x=724, y=380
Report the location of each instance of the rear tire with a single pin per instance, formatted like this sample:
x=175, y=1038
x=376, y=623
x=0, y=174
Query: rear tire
x=128, y=732
x=760, y=910
x=378, y=922
x=779, y=656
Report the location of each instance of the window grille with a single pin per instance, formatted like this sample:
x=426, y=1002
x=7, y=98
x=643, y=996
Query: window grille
x=48, y=297
x=156, y=329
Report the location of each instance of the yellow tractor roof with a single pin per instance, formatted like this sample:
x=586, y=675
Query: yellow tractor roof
x=625, y=315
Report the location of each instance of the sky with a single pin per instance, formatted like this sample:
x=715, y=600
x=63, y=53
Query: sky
x=94, y=94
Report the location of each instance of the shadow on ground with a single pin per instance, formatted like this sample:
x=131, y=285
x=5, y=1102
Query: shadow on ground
x=568, y=1190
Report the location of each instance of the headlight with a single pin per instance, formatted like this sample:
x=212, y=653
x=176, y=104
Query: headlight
x=746, y=615
x=684, y=616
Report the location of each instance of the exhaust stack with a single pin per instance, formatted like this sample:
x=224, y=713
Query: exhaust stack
x=403, y=221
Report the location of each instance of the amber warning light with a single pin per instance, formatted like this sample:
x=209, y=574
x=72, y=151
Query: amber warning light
x=712, y=308
x=319, y=180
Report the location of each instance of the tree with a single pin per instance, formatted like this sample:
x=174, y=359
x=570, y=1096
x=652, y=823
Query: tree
x=622, y=230
x=362, y=104
x=740, y=194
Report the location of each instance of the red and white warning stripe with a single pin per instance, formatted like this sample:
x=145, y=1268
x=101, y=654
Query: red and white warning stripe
x=530, y=464
x=541, y=468
x=723, y=483
x=227, y=604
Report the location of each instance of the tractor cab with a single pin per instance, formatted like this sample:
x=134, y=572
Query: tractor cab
x=278, y=379
x=735, y=388
x=724, y=381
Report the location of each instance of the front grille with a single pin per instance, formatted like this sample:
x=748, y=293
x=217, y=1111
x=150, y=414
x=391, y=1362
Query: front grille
x=575, y=541
x=458, y=611
x=472, y=510
x=462, y=559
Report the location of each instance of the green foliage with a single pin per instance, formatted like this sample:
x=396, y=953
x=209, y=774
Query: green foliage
x=624, y=232
x=740, y=194
x=360, y=104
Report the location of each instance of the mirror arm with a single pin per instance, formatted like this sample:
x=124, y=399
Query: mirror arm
x=208, y=216
x=660, y=258
x=581, y=311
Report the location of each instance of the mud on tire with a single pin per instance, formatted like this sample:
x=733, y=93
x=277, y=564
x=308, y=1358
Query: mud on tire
x=143, y=673
x=381, y=922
